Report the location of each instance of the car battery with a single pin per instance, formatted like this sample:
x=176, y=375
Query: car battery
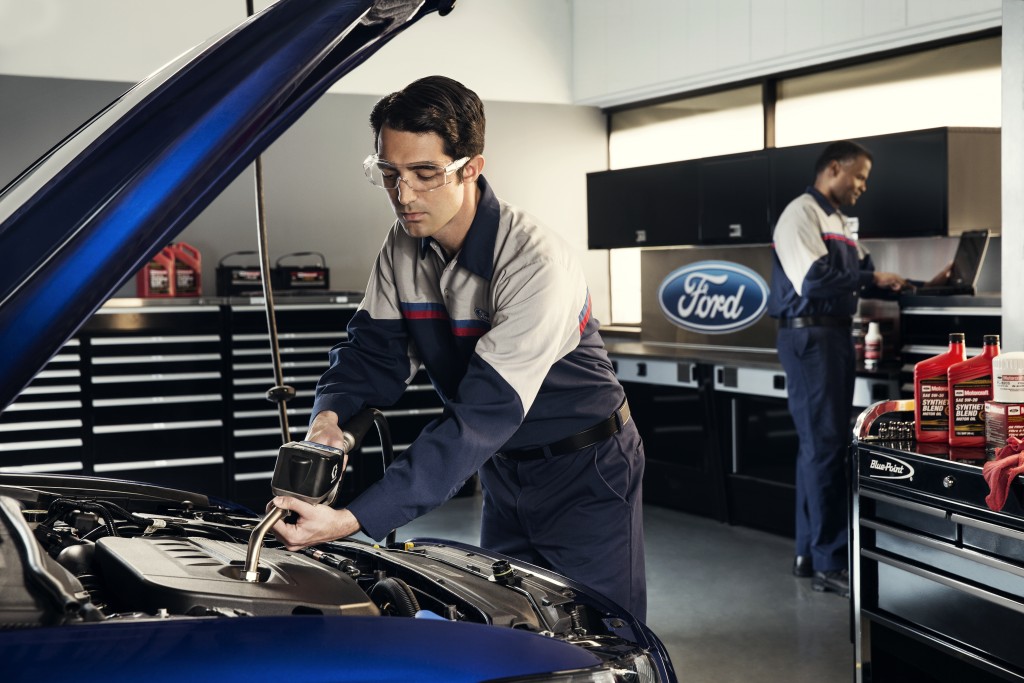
x=312, y=273
x=239, y=279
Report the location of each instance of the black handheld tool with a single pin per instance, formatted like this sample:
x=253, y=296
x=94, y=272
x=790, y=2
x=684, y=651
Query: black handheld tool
x=311, y=471
x=308, y=471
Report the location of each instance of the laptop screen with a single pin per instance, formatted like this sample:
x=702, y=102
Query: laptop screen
x=970, y=254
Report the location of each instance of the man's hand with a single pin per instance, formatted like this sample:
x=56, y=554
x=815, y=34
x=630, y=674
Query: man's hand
x=889, y=281
x=325, y=429
x=315, y=523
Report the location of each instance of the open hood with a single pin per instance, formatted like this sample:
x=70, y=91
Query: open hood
x=85, y=217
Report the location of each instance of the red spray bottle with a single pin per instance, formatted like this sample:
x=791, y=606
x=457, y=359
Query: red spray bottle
x=970, y=385
x=931, y=392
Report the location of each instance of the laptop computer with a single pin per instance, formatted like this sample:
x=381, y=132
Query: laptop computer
x=967, y=262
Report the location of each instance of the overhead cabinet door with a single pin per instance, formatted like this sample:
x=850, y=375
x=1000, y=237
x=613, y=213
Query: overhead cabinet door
x=940, y=181
x=647, y=206
x=734, y=193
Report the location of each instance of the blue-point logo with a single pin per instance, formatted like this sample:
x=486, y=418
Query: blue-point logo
x=713, y=297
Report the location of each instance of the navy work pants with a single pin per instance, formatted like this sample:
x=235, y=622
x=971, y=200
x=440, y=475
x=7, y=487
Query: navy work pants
x=578, y=514
x=819, y=365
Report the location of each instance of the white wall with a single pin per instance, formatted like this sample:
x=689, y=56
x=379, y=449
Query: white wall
x=511, y=50
x=317, y=199
x=629, y=51
x=1013, y=175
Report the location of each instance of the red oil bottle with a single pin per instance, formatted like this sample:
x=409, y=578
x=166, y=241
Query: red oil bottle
x=188, y=270
x=156, y=278
x=970, y=385
x=931, y=392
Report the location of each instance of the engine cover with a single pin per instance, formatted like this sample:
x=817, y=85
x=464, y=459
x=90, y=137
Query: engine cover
x=179, y=574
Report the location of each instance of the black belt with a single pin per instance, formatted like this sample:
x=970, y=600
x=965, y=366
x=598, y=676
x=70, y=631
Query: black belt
x=577, y=442
x=817, y=321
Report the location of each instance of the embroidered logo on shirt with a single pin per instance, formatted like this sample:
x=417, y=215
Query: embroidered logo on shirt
x=482, y=314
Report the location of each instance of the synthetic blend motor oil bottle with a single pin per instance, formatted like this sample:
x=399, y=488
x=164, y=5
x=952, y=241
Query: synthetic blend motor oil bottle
x=931, y=392
x=970, y=385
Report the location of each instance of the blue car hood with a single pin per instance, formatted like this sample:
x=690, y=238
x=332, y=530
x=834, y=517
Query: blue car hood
x=311, y=649
x=80, y=221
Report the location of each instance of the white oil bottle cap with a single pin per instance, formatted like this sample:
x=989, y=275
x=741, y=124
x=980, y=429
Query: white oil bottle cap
x=1008, y=377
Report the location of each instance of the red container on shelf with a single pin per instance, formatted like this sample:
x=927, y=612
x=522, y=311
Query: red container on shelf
x=188, y=270
x=156, y=278
x=970, y=386
x=931, y=392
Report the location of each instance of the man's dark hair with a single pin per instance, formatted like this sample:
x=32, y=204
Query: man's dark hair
x=435, y=104
x=841, y=151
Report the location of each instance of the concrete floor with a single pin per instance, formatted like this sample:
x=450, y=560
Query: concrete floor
x=722, y=599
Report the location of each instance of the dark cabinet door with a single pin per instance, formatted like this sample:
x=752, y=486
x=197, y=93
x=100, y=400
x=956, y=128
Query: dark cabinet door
x=737, y=199
x=792, y=172
x=682, y=468
x=647, y=206
x=908, y=193
x=734, y=194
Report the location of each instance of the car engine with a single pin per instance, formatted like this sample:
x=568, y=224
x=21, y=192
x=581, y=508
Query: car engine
x=111, y=557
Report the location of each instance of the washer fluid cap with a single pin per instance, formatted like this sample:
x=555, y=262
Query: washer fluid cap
x=1008, y=377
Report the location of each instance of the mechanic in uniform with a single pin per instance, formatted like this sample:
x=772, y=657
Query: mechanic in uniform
x=496, y=308
x=818, y=272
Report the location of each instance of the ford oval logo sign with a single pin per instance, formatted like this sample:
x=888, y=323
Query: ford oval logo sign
x=713, y=297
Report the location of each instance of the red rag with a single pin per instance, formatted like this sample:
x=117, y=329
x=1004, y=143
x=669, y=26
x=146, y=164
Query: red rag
x=1001, y=472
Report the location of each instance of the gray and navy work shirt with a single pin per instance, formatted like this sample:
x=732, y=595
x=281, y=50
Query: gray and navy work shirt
x=818, y=267
x=505, y=332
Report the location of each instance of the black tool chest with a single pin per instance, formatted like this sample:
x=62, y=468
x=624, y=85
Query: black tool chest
x=938, y=577
x=173, y=392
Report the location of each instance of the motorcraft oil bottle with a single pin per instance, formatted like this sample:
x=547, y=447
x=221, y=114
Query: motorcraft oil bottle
x=931, y=392
x=188, y=270
x=970, y=385
x=156, y=278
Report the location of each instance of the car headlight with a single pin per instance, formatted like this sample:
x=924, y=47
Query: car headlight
x=636, y=668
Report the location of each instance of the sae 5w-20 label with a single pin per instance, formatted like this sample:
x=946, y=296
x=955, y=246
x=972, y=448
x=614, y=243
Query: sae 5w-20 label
x=713, y=297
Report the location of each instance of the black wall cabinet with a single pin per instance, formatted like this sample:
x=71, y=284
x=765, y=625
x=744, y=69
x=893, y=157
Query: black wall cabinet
x=940, y=181
x=647, y=206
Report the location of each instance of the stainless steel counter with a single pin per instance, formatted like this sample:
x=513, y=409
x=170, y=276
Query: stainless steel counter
x=767, y=358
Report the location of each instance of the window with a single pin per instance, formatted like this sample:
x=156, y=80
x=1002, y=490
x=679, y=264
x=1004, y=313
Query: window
x=958, y=85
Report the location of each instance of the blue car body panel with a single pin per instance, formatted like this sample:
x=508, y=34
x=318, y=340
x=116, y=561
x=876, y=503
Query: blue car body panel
x=312, y=649
x=98, y=206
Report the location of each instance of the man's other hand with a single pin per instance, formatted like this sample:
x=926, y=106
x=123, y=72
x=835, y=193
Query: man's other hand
x=314, y=523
